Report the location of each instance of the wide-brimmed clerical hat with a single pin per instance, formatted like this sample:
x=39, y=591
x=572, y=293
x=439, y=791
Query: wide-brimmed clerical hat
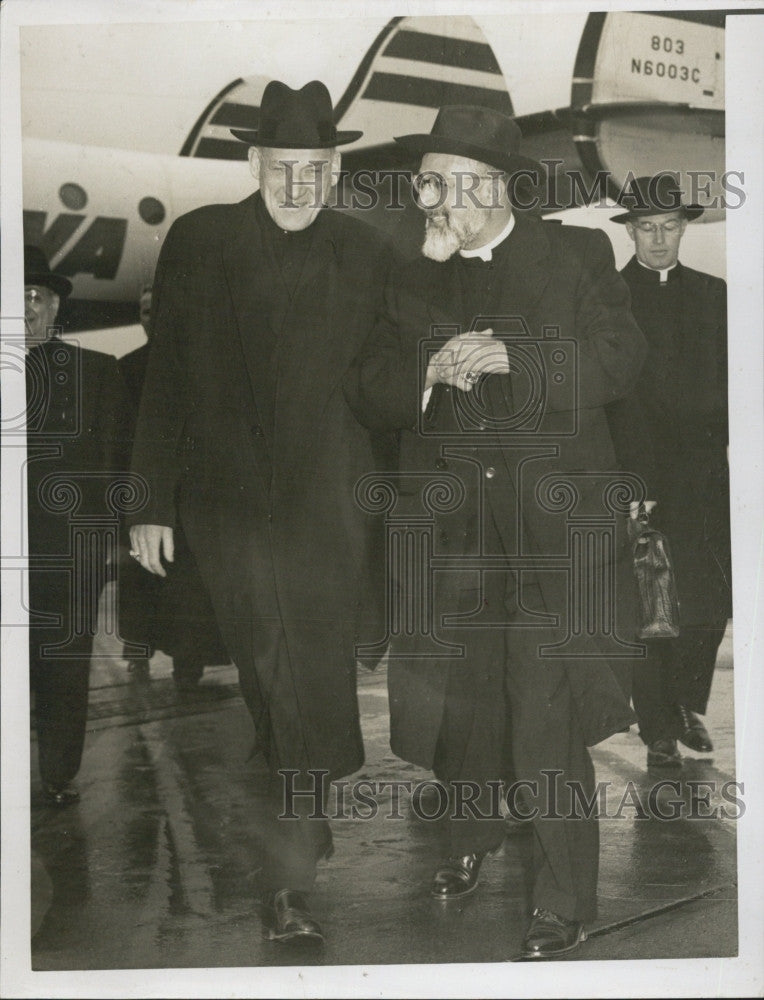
x=477, y=133
x=38, y=272
x=296, y=119
x=657, y=195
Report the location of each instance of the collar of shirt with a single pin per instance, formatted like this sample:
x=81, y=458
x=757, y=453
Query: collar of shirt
x=486, y=252
x=663, y=271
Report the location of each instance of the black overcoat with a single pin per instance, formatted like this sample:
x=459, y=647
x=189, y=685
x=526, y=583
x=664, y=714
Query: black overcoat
x=679, y=431
x=270, y=516
x=558, y=284
x=174, y=614
x=75, y=445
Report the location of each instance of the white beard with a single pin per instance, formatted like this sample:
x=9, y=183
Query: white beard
x=440, y=243
x=443, y=239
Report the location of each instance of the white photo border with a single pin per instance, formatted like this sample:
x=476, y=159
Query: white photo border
x=745, y=265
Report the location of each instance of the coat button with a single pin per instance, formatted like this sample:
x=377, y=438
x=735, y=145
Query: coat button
x=441, y=464
x=257, y=430
x=490, y=472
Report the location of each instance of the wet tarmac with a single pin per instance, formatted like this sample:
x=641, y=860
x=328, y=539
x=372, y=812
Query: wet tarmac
x=157, y=867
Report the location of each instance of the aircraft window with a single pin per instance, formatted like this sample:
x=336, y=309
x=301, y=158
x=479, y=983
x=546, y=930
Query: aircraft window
x=73, y=196
x=151, y=210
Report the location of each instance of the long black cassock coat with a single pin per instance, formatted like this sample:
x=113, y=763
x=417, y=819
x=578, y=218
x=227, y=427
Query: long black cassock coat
x=551, y=278
x=75, y=409
x=259, y=459
x=172, y=614
x=675, y=427
x=76, y=405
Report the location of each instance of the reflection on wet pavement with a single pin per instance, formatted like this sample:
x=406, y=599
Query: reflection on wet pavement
x=158, y=865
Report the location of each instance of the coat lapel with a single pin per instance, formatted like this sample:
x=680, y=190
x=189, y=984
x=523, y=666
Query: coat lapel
x=316, y=343
x=524, y=263
x=243, y=255
x=693, y=304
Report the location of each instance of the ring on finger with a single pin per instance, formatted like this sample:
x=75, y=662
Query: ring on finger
x=134, y=554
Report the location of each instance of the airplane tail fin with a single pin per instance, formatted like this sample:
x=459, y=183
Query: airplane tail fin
x=414, y=66
x=236, y=106
x=417, y=65
x=639, y=105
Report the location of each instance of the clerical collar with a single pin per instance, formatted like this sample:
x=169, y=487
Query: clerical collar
x=486, y=252
x=662, y=271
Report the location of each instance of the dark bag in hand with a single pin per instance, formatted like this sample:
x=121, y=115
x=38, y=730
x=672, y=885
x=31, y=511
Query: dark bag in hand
x=658, y=601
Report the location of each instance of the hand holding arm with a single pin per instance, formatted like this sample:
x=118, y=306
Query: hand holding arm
x=466, y=356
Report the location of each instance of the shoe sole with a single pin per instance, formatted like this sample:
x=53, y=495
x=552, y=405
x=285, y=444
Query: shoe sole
x=60, y=802
x=447, y=897
x=582, y=936
x=301, y=937
x=706, y=749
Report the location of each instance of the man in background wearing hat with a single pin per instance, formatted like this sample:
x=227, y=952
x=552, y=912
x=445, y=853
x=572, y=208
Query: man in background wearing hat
x=679, y=414
x=75, y=403
x=246, y=440
x=461, y=423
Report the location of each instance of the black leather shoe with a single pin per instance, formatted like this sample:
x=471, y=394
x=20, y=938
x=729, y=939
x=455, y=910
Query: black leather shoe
x=550, y=935
x=694, y=733
x=663, y=753
x=458, y=877
x=287, y=918
x=60, y=795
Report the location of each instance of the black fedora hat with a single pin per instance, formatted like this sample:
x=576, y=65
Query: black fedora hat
x=477, y=133
x=38, y=272
x=296, y=119
x=657, y=195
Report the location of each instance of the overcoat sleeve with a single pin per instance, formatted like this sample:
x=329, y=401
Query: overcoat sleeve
x=611, y=347
x=164, y=403
x=632, y=441
x=379, y=387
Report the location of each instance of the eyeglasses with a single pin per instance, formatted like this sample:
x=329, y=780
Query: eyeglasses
x=430, y=183
x=672, y=226
x=432, y=186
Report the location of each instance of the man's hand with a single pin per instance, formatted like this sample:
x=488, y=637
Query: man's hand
x=149, y=542
x=464, y=358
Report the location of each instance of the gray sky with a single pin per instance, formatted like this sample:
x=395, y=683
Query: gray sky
x=142, y=86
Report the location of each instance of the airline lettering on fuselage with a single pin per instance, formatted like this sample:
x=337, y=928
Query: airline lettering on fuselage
x=98, y=251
